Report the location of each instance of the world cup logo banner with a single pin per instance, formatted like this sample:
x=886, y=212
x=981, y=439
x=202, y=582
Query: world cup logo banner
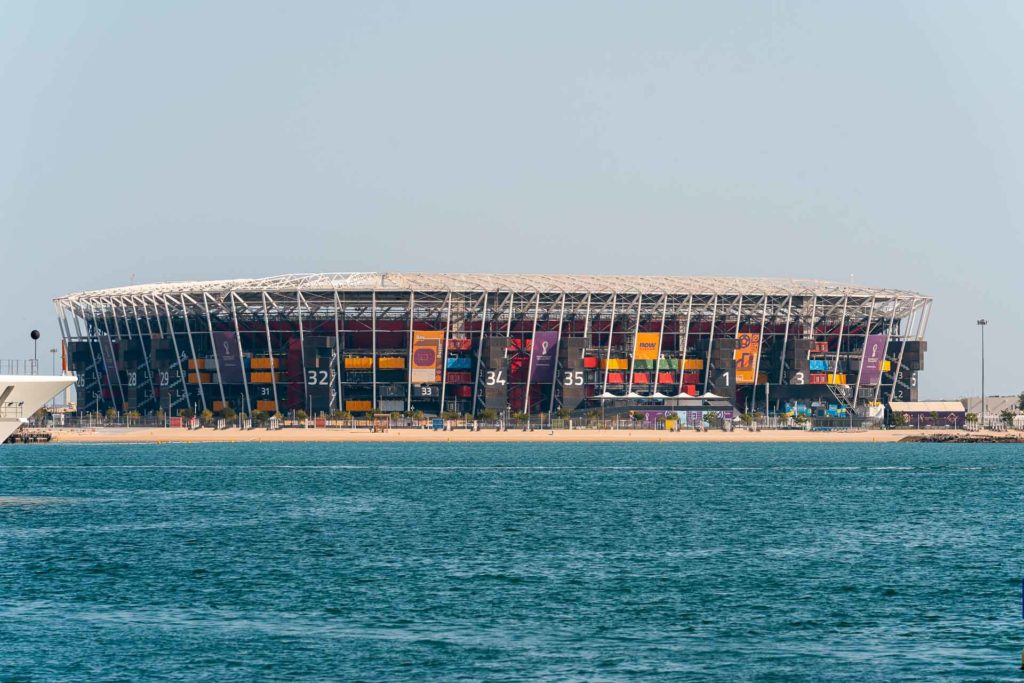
x=647, y=346
x=871, y=361
x=426, y=355
x=748, y=347
x=227, y=358
x=542, y=356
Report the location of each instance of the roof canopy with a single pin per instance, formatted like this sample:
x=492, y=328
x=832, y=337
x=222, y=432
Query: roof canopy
x=480, y=282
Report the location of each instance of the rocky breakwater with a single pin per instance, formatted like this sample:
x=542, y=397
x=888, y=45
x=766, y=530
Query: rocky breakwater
x=961, y=437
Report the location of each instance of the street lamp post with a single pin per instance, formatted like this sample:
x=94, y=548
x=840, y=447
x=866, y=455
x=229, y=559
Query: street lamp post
x=982, y=323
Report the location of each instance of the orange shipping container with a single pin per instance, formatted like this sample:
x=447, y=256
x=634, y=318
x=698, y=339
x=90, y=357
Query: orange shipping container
x=266, y=406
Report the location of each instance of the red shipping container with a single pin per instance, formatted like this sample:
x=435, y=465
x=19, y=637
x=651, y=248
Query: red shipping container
x=460, y=377
x=616, y=378
x=821, y=347
x=691, y=389
x=460, y=344
x=666, y=378
x=464, y=391
x=691, y=377
x=641, y=378
x=590, y=362
x=819, y=378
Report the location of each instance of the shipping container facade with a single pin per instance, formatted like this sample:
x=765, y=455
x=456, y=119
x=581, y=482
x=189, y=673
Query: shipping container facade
x=464, y=344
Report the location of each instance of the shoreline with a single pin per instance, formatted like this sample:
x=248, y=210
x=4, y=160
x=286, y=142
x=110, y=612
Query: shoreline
x=159, y=435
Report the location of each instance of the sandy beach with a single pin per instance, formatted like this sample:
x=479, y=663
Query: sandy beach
x=181, y=435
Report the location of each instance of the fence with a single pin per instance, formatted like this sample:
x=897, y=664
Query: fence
x=9, y=366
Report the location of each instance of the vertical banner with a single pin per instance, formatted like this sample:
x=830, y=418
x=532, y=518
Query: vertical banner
x=871, y=360
x=426, y=355
x=227, y=358
x=748, y=347
x=542, y=356
x=647, y=346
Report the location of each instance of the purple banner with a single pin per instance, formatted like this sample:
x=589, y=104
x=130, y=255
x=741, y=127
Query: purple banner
x=227, y=358
x=871, y=363
x=542, y=356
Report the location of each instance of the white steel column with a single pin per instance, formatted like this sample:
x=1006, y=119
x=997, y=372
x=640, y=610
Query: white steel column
x=636, y=332
x=213, y=345
x=479, y=354
x=554, y=375
x=686, y=341
x=711, y=341
x=412, y=335
x=863, y=351
x=444, y=350
x=270, y=351
x=903, y=345
x=757, y=362
x=529, y=367
x=839, y=341
x=192, y=347
x=177, y=353
x=785, y=340
x=241, y=354
x=337, y=352
x=373, y=347
x=608, y=353
x=661, y=337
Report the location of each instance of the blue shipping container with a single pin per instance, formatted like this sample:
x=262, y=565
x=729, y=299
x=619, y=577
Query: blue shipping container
x=819, y=366
x=460, y=363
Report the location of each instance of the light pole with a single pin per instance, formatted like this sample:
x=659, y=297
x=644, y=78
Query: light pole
x=981, y=323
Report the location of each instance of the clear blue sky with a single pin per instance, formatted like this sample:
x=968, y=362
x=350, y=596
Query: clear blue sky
x=228, y=139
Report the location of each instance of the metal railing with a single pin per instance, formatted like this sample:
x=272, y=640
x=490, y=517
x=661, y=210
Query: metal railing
x=15, y=366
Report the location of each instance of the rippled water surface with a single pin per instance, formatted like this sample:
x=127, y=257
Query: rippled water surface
x=511, y=562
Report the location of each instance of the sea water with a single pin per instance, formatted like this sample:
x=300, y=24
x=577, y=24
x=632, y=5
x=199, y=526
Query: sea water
x=769, y=562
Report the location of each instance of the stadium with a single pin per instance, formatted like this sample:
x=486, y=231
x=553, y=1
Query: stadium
x=501, y=343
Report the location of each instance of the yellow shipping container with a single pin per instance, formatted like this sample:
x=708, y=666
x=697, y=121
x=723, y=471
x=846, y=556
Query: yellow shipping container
x=358, y=406
x=391, y=363
x=266, y=363
x=358, y=363
x=837, y=379
x=615, y=363
x=886, y=366
x=200, y=377
x=693, y=364
x=262, y=378
x=266, y=406
x=199, y=364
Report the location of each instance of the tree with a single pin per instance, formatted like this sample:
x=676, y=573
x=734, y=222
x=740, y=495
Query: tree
x=111, y=413
x=800, y=419
x=971, y=417
x=259, y=416
x=450, y=414
x=1006, y=417
x=186, y=413
x=520, y=416
x=301, y=415
x=935, y=417
x=899, y=420
x=228, y=413
x=40, y=415
x=488, y=414
x=1020, y=401
x=563, y=413
x=159, y=414
x=713, y=419
x=207, y=415
x=747, y=419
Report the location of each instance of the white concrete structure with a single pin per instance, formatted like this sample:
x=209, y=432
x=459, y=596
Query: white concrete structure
x=22, y=395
